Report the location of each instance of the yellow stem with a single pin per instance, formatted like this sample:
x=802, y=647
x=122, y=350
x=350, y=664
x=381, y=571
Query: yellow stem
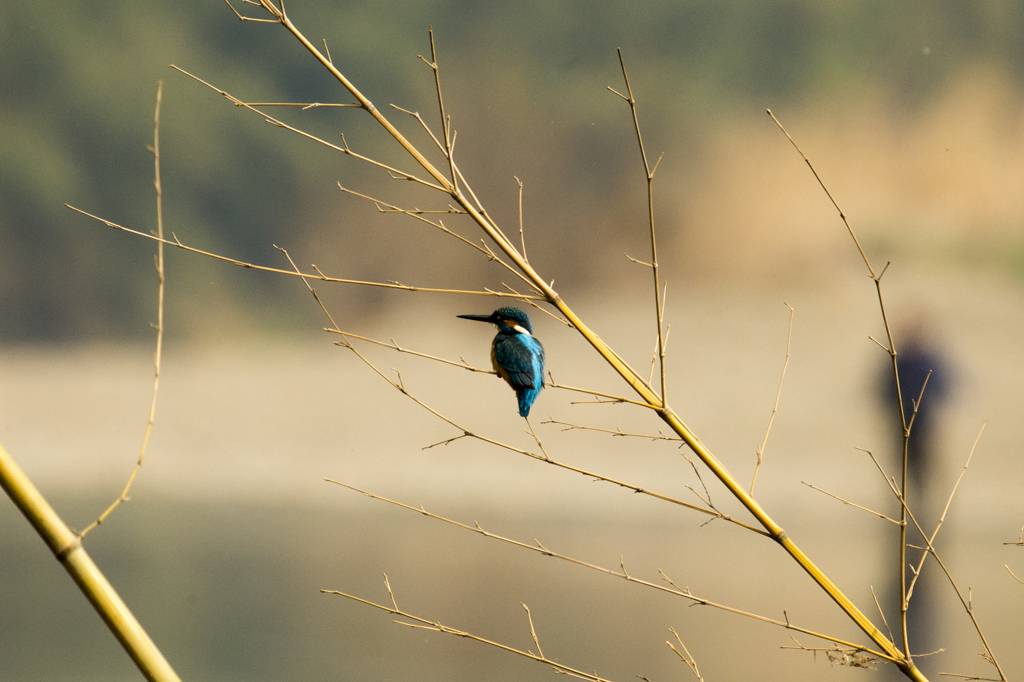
x=67, y=547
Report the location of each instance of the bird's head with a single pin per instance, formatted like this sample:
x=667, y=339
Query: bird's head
x=508, y=320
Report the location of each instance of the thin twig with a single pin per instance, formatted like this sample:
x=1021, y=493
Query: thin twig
x=945, y=510
x=637, y=260
x=522, y=237
x=449, y=142
x=245, y=18
x=387, y=584
x=689, y=660
x=827, y=193
x=707, y=493
x=778, y=394
x=649, y=173
x=426, y=624
x=394, y=346
x=659, y=342
x=533, y=632
x=1013, y=574
x=416, y=115
x=540, y=444
x=295, y=273
x=845, y=501
x=616, y=432
x=917, y=403
x=344, y=149
x=306, y=105
x=158, y=354
x=882, y=614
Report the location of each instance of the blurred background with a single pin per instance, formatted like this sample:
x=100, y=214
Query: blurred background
x=912, y=115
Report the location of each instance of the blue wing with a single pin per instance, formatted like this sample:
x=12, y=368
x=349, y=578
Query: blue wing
x=519, y=360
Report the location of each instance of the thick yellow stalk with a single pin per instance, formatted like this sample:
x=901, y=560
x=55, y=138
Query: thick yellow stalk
x=67, y=547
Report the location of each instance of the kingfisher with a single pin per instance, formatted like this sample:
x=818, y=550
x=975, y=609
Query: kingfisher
x=517, y=356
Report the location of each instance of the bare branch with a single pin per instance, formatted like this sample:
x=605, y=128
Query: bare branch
x=949, y=501
x=917, y=403
x=399, y=174
x=827, y=193
x=244, y=18
x=533, y=632
x=449, y=141
x=882, y=614
x=881, y=345
x=387, y=584
x=438, y=627
x=522, y=237
x=649, y=172
x=700, y=478
x=778, y=394
x=1013, y=574
x=638, y=261
x=158, y=353
x=306, y=105
x=416, y=115
x=536, y=438
x=617, y=432
x=690, y=662
x=294, y=273
x=844, y=501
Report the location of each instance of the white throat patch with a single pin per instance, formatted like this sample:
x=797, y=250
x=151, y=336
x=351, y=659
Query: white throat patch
x=520, y=330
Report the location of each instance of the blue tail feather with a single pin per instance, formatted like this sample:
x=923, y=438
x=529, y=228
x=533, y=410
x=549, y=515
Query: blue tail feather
x=526, y=397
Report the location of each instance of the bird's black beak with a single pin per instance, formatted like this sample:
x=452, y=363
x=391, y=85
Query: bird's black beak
x=478, y=318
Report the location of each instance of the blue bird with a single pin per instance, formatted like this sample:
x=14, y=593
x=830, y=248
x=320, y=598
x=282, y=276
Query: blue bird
x=518, y=358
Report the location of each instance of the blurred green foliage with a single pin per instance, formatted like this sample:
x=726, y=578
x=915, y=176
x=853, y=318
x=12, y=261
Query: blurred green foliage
x=525, y=84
